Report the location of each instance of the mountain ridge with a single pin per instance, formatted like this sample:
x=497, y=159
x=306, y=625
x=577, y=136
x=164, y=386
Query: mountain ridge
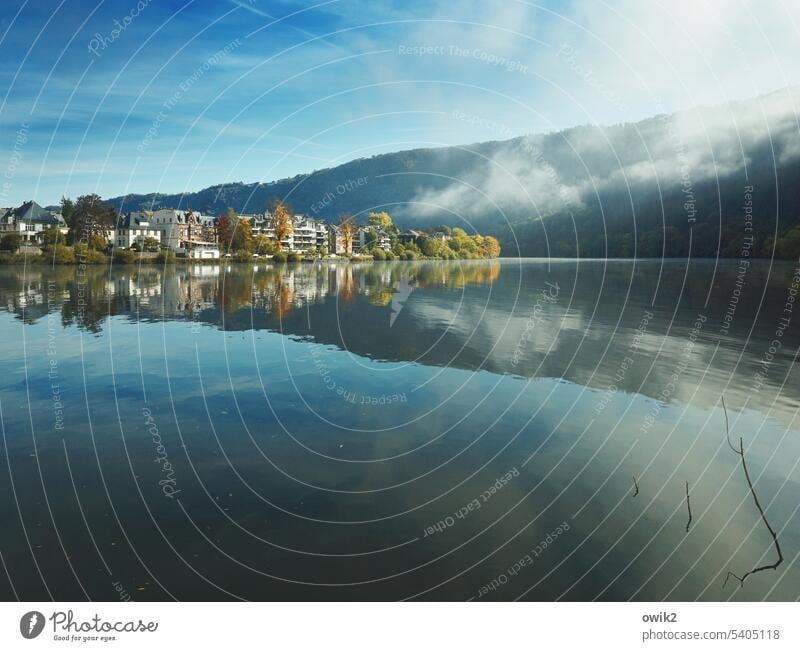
x=619, y=190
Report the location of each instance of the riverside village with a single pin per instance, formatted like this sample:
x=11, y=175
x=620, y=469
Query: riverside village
x=89, y=230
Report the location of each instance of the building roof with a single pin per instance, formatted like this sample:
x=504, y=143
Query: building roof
x=33, y=213
x=135, y=219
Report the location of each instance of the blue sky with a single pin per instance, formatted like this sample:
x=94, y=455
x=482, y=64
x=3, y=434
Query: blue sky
x=193, y=93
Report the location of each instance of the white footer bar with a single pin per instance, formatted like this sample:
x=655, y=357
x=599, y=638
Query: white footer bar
x=381, y=627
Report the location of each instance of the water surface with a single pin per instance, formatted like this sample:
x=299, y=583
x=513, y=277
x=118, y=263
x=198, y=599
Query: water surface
x=477, y=430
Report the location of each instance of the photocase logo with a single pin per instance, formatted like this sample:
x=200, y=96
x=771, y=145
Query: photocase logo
x=400, y=296
x=31, y=624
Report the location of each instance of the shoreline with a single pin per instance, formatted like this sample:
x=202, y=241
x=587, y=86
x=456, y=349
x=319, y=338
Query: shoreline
x=43, y=261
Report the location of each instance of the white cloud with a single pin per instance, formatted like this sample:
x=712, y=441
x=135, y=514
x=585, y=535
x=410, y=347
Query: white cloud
x=546, y=174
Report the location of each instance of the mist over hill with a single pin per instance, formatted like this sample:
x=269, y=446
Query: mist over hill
x=701, y=182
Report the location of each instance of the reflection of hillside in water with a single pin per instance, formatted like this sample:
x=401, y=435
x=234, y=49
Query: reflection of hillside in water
x=476, y=315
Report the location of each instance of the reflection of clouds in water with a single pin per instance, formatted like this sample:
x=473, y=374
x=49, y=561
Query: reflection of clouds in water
x=463, y=315
x=341, y=460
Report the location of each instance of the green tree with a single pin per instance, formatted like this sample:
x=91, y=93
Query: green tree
x=52, y=236
x=234, y=233
x=490, y=247
x=91, y=217
x=85, y=255
x=60, y=254
x=381, y=220
x=433, y=248
x=124, y=256
x=166, y=256
x=243, y=236
x=263, y=245
x=151, y=244
x=97, y=242
x=11, y=242
x=67, y=210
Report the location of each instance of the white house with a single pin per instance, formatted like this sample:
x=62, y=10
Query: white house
x=168, y=223
x=337, y=244
x=371, y=236
x=306, y=233
x=184, y=231
x=30, y=220
x=135, y=227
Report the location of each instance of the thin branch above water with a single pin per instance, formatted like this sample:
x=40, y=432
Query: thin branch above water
x=688, y=508
x=776, y=543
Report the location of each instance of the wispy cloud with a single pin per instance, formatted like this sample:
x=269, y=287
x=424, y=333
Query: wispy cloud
x=554, y=173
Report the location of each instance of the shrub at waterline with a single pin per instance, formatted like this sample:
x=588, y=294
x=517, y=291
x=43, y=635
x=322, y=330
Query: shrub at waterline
x=166, y=256
x=243, y=256
x=86, y=255
x=59, y=254
x=11, y=242
x=124, y=256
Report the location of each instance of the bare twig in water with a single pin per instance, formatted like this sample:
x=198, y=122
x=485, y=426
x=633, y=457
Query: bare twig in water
x=688, y=507
x=760, y=568
x=727, y=430
x=636, y=486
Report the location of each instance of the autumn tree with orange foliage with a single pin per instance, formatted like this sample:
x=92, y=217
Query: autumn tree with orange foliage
x=281, y=221
x=347, y=231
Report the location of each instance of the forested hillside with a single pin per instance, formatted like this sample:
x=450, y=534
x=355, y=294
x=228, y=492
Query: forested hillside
x=700, y=181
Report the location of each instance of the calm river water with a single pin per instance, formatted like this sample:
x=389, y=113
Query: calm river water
x=502, y=430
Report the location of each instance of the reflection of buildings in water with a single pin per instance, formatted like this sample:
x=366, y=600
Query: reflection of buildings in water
x=466, y=315
x=156, y=292
x=32, y=292
x=134, y=287
x=191, y=290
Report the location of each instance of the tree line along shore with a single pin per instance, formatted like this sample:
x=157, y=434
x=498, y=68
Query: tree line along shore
x=89, y=231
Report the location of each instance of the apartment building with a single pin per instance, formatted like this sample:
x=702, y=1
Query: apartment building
x=135, y=227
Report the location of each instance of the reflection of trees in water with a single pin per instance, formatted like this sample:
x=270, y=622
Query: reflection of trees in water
x=570, y=339
x=86, y=297
x=346, y=284
x=282, y=295
x=89, y=303
x=453, y=276
x=24, y=290
x=235, y=292
x=381, y=281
